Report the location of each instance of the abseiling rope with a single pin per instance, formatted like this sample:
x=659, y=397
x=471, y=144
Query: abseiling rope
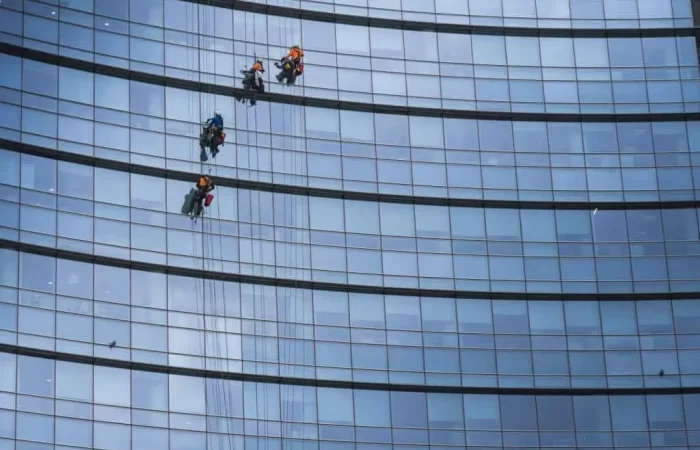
x=209, y=61
x=294, y=264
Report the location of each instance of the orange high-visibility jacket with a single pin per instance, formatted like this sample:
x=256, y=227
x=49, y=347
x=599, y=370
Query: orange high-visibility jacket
x=295, y=53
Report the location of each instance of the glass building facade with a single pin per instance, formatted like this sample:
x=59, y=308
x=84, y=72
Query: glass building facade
x=471, y=223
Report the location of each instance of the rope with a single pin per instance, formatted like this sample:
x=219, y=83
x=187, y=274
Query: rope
x=294, y=259
x=296, y=256
x=208, y=251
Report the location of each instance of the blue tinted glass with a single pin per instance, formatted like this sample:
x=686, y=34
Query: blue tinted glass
x=10, y=167
x=565, y=137
x=592, y=413
x=518, y=413
x=555, y=413
x=335, y=406
x=12, y=71
x=635, y=137
x=628, y=412
x=146, y=11
x=625, y=52
x=408, y=409
x=391, y=129
x=482, y=412
x=147, y=99
x=445, y=411
x=40, y=78
x=120, y=10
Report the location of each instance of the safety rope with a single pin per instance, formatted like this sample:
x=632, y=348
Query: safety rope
x=294, y=258
x=208, y=247
x=297, y=256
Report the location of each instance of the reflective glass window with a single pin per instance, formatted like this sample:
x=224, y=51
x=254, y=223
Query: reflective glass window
x=35, y=427
x=454, y=48
x=366, y=310
x=331, y=308
x=518, y=413
x=112, y=284
x=112, y=386
x=482, y=412
x=557, y=52
x=12, y=71
x=150, y=390
x=335, y=406
x=74, y=278
x=147, y=99
x=261, y=401
x=665, y=412
x=445, y=411
x=9, y=269
x=352, y=40
x=371, y=408
x=618, y=318
x=75, y=85
x=397, y=219
x=147, y=11
x=386, y=43
x=361, y=217
x=40, y=78
x=112, y=92
x=655, y=317
x=582, y=317
x=592, y=413
x=402, y=313
x=35, y=376
x=691, y=403
x=628, y=412
x=73, y=381
x=555, y=413
x=326, y=214
x=119, y=10
x=38, y=173
x=546, y=317
x=409, y=409
x=391, y=129
x=186, y=394
x=37, y=272
x=8, y=368
x=474, y=316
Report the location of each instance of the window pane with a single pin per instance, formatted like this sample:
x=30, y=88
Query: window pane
x=372, y=408
x=150, y=390
x=408, y=409
x=35, y=376
x=445, y=411
x=187, y=394
x=8, y=368
x=74, y=381
x=335, y=406
x=112, y=386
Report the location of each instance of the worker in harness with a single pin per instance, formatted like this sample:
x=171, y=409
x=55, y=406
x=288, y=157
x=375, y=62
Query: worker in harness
x=201, y=196
x=292, y=65
x=212, y=135
x=253, y=81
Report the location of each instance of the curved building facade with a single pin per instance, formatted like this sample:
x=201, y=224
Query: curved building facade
x=470, y=223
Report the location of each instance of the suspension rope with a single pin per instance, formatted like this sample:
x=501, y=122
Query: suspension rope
x=293, y=258
x=208, y=247
x=296, y=255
